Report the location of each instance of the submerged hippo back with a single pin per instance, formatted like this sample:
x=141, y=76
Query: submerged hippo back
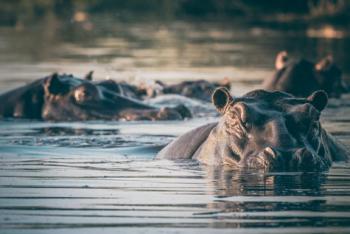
x=185, y=146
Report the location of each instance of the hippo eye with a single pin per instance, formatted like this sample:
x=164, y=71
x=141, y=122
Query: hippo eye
x=83, y=93
x=80, y=95
x=247, y=125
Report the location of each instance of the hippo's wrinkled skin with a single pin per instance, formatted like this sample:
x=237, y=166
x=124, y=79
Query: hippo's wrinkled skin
x=302, y=77
x=274, y=131
x=67, y=98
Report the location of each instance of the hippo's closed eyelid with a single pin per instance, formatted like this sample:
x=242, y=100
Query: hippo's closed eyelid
x=86, y=92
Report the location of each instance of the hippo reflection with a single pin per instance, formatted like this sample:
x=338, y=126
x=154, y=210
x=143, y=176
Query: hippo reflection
x=302, y=77
x=273, y=131
x=241, y=192
x=67, y=98
x=226, y=182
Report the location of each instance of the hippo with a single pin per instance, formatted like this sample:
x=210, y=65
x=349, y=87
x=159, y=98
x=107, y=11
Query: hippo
x=261, y=130
x=197, y=89
x=302, y=77
x=68, y=98
x=122, y=88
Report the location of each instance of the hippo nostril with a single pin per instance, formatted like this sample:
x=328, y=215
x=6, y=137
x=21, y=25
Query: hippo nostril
x=266, y=159
x=306, y=160
x=274, y=159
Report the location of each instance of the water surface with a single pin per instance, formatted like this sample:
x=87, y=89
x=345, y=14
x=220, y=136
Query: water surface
x=101, y=177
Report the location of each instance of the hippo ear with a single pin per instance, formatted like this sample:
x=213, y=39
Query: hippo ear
x=53, y=85
x=221, y=98
x=318, y=99
x=281, y=60
x=160, y=83
x=324, y=63
x=225, y=82
x=89, y=76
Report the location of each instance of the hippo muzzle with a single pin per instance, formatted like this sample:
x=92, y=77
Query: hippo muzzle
x=300, y=159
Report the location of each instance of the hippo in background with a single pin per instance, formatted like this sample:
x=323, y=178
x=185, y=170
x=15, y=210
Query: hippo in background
x=122, y=88
x=68, y=98
x=272, y=131
x=302, y=77
x=196, y=89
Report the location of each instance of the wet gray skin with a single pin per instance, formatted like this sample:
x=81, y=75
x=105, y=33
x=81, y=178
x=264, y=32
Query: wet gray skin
x=302, y=77
x=273, y=131
x=67, y=98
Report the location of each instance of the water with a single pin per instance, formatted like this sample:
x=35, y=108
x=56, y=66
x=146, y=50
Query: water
x=100, y=177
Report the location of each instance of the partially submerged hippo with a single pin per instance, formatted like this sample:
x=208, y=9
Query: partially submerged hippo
x=67, y=98
x=198, y=89
x=274, y=131
x=302, y=77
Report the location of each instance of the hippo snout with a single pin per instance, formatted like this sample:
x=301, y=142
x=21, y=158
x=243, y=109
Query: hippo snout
x=300, y=159
x=266, y=160
x=305, y=160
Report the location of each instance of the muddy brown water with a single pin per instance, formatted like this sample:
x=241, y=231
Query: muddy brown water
x=99, y=177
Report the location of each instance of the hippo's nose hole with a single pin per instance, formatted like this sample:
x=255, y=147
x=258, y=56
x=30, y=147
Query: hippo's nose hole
x=305, y=160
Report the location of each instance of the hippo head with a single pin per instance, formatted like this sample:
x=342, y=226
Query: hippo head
x=273, y=131
x=198, y=89
x=70, y=98
x=329, y=76
x=302, y=77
